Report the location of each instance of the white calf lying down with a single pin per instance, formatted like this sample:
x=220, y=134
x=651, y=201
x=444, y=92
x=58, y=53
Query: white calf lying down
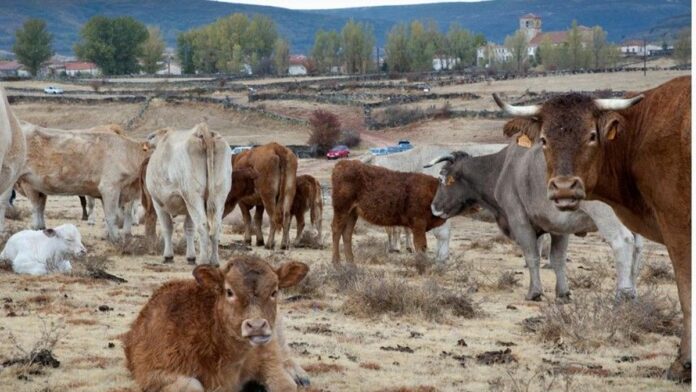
x=38, y=252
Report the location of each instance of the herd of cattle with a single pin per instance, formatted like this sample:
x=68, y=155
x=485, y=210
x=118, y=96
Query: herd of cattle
x=617, y=166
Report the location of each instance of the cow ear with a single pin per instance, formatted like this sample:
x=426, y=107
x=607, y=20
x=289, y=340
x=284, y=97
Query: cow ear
x=291, y=273
x=610, y=124
x=529, y=127
x=208, y=276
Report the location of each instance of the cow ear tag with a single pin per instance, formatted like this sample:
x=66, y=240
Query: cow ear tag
x=612, y=133
x=524, y=141
x=450, y=180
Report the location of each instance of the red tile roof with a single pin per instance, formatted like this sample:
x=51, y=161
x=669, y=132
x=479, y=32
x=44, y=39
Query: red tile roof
x=557, y=37
x=10, y=65
x=633, y=42
x=79, y=66
x=298, y=59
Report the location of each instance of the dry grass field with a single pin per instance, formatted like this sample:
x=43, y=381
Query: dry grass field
x=391, y=323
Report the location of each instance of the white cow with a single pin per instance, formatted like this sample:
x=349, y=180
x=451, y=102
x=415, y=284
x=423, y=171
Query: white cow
x=190, y=173
x=13, y=151
x=38, y=252
x=414, y=160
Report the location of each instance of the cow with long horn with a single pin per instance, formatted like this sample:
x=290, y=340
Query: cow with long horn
x=635, y=155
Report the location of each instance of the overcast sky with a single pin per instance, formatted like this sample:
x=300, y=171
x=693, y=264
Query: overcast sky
x=322, y=4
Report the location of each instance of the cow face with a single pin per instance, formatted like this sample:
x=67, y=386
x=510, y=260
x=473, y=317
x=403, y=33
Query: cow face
x=70, y=239
x=454, y=195
x=154, y=138
x=247, y=294
x=573, y=130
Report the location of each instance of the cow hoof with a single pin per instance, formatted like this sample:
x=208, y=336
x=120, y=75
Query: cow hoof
x=191, y=260
x=394, y=251
x=268, y=246
x=284, y=247
x=679, y=372
x=625, y=295
x=534, y=297
x=260, y=243
x=168, y=259
x=563, y=298
x=302, y=381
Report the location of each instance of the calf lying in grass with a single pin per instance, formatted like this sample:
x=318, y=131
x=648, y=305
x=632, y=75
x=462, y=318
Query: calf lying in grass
x=216, y=332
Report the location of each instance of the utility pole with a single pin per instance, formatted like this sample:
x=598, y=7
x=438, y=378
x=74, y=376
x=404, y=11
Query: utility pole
x=645, y=54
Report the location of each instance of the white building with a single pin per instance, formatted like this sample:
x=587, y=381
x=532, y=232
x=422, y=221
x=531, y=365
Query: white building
x=447, y=63
x=637, y=47
x=298, y=65
x=492, y=54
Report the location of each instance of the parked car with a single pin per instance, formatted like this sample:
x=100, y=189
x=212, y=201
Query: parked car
x=402, y=146
x=53, y=90
x=240, y=149
x=339, y=151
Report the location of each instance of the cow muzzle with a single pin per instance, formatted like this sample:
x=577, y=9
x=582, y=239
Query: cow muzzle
x=436, y=212
x=566, y=192
x=258, y=331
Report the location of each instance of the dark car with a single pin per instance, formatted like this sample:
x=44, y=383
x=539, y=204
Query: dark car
x=339, y=151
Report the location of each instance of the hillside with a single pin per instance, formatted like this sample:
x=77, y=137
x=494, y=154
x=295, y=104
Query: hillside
x=496, y=18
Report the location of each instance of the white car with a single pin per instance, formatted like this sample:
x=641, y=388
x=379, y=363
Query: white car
x=239, y=149
x=53, y=90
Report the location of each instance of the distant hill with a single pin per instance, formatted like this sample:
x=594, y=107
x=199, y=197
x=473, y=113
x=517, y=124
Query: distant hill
x=495, y=18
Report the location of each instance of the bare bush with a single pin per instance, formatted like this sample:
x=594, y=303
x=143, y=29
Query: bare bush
x=508, y=280
x=372, y=250
x=657, y=272
x=396, y=116
x=595, y=319
x=39, y=353
x=326, y=130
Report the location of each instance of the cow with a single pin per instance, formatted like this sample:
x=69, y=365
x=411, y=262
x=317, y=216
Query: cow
x=415, y=160
x=308, y=197
x=190, y=173
x=631, y=153
x=81, y=162
x=38, y=252
x=13, y=151
x=382, y=197
x=215, y=332
x=277, y=168
x=509, y=186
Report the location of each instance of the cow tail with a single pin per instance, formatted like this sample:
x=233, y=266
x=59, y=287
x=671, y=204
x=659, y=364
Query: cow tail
x=148, y=206
x=209, y=147
x=317, y=209
x=282, y=173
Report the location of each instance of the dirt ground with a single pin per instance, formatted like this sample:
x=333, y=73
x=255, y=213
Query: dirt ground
x=396, y=323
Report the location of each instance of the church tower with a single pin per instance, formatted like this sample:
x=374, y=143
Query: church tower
x=531, y=25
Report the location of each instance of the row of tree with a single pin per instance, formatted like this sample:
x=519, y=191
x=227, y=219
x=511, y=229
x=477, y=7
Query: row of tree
x=118, y=46
x=238, y=44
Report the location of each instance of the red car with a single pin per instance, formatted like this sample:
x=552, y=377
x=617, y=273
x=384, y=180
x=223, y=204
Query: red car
x=340, y=151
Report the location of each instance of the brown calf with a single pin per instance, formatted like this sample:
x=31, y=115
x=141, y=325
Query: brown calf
x=216, y=332
x=382, y=197
x=633, y=154
x=277, y=168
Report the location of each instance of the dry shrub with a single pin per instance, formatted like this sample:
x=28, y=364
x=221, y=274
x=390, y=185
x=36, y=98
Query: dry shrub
x=656, y=272
x=594, y=319
x=317, y=368
x=481, y=244
x=522, y=379
x=508, y=280
x=350, y=138
x=372, y=250
x=326, y=130
x=39, y=354
x=396, y=116
x=374, y=293
x=370, y=366
x=138, y=246
x=419, y=388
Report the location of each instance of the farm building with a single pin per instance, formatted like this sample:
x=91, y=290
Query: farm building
x=77, y=68
x=13, y=68
x=298, y=65
x=636, y=47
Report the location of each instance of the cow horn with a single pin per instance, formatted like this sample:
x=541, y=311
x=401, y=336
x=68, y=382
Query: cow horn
x=522, y=111
x=618, y=103
x=448, y=158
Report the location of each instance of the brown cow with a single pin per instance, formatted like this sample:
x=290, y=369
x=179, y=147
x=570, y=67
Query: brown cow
x=216, y=332
x=277, y=168
x=308, y=197
x=633, y=154
x=382, y=197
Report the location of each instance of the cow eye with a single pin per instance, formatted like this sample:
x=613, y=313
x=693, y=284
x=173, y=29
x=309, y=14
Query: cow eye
x=230, y=293
x=543, y=141
x=593, y=137
x=274, y=293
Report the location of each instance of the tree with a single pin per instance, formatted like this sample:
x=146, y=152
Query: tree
x=517, y=45
x=281, y=56
x=184, y=51
x=420, y=48
x=326, y=51
x=397, y=49
x=682, y=47
x=358, y=40
x=152, y=50
x=548, y=54
x=598, y=47
x=113, y=44
x=577, y=55
x=462, y=45
x=33, y=44
x=326, y=130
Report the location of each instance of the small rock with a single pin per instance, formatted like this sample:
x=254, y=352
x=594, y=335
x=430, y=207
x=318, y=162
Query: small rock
x=111, y=345
x=104, y=308
x=512, y=307
x=462, y=343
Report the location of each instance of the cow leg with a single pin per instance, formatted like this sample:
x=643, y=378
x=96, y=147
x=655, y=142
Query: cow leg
x=393, y=243
x=110, y=199
x=286, y=206
x=638, y=242
x=38, y=205
x=189, y=232
x=196, y=210
x=4, y=202
x=246, y=218
x=442, y=235
x=165, y=221
x=408, y=236
x=419, y=240
x=127, y=219
x=338, y=224
x=526, y=238
x=91, y=215
x=83, y=204
x=316, y=218
x=215, y=232
x=275, y=217
x=348, y=235
x=622, y=242
x=300, y=227
x=557, y=256
x=258, y=224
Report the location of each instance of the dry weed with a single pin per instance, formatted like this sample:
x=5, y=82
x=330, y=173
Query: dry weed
x=29, y=360
x=657, y=272
x=508, y=280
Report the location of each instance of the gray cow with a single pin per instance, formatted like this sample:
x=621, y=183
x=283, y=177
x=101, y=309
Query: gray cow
x=512, y=186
